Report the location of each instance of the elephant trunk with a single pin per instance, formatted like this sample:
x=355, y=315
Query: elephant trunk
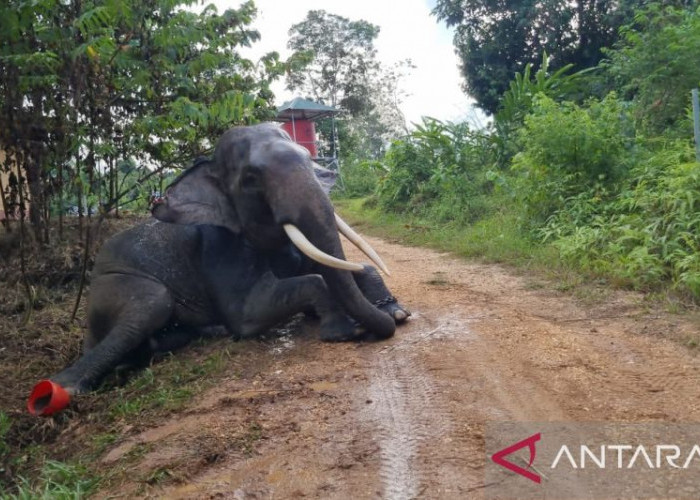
x=296, y=198
x=324, y=235
x=343, y=287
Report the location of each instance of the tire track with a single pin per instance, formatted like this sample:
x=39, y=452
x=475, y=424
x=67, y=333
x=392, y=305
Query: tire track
x=408, y=413
x=399, y=434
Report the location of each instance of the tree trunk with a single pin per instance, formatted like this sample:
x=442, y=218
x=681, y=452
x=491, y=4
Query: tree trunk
x=5, y=221
x=36, y=198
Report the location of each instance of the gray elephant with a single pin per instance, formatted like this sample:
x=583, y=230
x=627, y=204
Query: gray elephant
x=244, y=241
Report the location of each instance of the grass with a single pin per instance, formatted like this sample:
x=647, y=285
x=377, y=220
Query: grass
x=103, y=440
x=163, y=388
x=59, y=457
x=159, y=475
x=168, y=385
x=246, y=442
x=57, y=481
x=494, y=239
x=498, y=239
x=5, y=424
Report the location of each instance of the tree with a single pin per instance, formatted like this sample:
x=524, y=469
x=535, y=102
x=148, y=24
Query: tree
x=87, y=85
x=337, y=66
x=655, y=64
x=496, y=39
x=340, y=59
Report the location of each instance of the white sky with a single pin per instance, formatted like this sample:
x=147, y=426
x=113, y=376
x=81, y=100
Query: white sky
x=407, y=30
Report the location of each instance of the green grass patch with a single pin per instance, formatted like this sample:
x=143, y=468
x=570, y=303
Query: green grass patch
x=56, y=469
x=5, y=424
x=167, y=385
x=497, y=238
x=57, y=481
x=501, y=238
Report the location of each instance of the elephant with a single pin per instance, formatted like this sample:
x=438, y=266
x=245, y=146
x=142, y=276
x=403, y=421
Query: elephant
x=244, y=240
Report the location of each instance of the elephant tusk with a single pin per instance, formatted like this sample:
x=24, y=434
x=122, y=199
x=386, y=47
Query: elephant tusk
x=306, y=247
x=360, y=243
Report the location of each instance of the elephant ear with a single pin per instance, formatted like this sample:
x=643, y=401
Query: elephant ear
x=324, y=176
x=195, y=197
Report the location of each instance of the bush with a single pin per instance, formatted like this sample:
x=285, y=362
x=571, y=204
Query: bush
x=648, y=233
x=359, y=178
x=439, y=170
x=518, y=101
x=568, y=150
x=656, y=66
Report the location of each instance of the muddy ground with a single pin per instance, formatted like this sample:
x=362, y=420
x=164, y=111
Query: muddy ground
x=292, y=417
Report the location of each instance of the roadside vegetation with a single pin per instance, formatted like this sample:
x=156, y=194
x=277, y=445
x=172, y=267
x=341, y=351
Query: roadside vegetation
x=593, y=171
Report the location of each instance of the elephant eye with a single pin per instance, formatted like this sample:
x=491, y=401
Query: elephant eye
x=250, y=181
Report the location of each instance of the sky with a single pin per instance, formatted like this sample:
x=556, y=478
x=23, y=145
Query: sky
x=407, y=30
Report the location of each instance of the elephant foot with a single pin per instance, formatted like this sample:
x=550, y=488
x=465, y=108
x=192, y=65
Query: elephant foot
x=392, y=307
x=341, y=330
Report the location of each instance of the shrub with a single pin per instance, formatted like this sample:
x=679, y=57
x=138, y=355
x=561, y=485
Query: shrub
x=438, y=170
x=518, y=101
x=656, y=66
x=359, y=178
x=568, y=150
x=648, y=233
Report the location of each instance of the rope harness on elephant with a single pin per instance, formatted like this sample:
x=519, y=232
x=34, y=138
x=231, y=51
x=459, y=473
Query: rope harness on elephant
x=390, y=299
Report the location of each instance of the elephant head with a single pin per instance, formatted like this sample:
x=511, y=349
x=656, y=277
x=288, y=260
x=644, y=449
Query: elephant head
x=265, y=187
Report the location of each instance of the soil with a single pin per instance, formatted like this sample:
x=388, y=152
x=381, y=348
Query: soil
x=405, y=418
x=292, y=417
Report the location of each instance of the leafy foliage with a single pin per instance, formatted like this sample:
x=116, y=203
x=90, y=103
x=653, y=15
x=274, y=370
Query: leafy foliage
x=568, y=149
x=360, y=177
x=517, y=102
x=656, y=65
x=87, y=86
x=341, y=56
x=439, y=165
x=609, y=182
x=647, y=234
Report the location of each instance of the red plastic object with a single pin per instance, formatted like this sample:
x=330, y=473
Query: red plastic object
x=47, y=398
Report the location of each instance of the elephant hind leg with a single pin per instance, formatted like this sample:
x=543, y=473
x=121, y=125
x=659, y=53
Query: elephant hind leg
x=272, y=301
x=124, y=312
x=157, y=346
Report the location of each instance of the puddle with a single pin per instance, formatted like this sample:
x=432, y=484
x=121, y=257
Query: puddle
x=282, y=344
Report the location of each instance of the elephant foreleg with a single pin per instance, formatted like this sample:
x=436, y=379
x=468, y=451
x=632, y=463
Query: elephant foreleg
x=375, y=290
x=272, y=301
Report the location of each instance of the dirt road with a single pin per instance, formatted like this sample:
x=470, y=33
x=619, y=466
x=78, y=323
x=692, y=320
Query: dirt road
x=405, y=418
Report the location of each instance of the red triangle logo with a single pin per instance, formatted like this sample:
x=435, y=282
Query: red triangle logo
x=498, y=457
